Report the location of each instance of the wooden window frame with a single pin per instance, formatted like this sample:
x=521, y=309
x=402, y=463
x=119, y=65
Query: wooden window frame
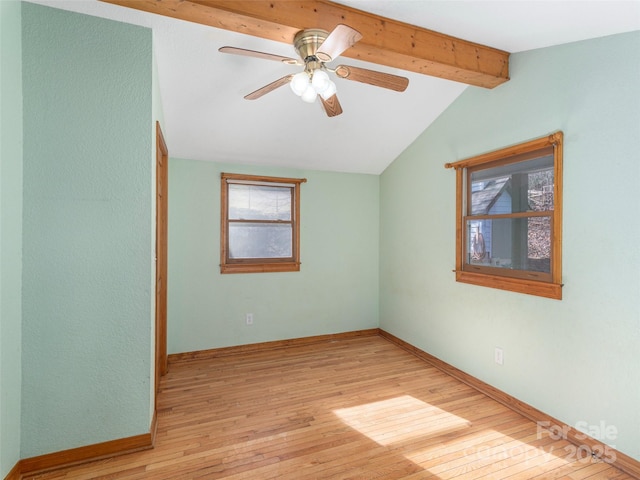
x=549, y=285
x=259, y=265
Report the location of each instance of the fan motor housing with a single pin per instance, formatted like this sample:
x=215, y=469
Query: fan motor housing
x=306, y=42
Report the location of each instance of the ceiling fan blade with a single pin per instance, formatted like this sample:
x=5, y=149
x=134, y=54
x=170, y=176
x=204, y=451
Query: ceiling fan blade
x=269, y=88
x=341, y=38
x=253, y=53
x=331, y=105
x=372, y=77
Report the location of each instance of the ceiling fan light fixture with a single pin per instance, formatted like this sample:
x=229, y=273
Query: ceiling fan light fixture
x=316, y=47
x=300, y=83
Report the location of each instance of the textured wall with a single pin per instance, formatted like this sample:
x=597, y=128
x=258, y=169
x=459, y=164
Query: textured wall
x=10, y=233
x=576, y=359
x=87, y=289
x=158, y=116
x=335, y=291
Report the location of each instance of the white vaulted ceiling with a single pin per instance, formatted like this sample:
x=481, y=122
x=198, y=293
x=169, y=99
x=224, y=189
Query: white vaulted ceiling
x=206, y=117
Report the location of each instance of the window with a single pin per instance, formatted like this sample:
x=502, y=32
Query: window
x=509, y=218
x=260, y=224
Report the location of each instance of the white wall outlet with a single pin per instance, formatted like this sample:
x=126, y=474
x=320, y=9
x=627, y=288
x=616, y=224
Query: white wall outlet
x=249, y=318
x=498, y=356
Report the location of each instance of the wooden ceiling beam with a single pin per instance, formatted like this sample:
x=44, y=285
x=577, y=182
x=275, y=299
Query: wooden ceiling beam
x=385, y=41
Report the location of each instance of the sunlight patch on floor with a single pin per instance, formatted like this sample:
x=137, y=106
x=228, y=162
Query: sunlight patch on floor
x=399, y=419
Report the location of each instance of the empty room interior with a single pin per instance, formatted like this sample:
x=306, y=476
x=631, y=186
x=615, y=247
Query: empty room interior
x=306, y=239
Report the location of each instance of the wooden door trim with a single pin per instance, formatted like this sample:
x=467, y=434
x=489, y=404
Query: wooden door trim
x=162, y=158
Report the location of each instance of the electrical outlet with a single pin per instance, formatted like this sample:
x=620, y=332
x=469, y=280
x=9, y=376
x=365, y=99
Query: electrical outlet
x=498, y=356
x=249, y=319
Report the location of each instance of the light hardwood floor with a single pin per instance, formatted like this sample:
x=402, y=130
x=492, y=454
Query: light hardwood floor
x=359, y=408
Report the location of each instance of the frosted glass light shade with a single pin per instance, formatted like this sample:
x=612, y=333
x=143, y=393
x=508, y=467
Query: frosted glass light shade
x=320, y=81
x=309, y=95
x=330, y=91
x=300, y=83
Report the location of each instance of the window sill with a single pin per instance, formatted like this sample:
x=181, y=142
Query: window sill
x=531, y=287
x=260, y=267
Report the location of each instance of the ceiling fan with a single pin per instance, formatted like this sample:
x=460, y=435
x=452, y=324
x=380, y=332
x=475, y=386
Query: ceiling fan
x=316, y=48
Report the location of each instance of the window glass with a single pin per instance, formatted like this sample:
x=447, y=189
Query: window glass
x=510, y=243
x=511, y=188
x=261, y=240
x=259, y=202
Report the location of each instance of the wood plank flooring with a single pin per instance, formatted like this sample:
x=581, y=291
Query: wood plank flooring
x=359, y=408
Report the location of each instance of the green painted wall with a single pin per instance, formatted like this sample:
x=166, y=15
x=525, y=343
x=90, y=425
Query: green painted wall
x=335, y=291
x=576, y=359
x=87, y=228
x=10, y=233
x=157, y=115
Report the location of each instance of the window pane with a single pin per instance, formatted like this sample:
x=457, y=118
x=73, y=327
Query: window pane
x=259, y=202
x=510, y=243
x=513, y=188
x=251, y=240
